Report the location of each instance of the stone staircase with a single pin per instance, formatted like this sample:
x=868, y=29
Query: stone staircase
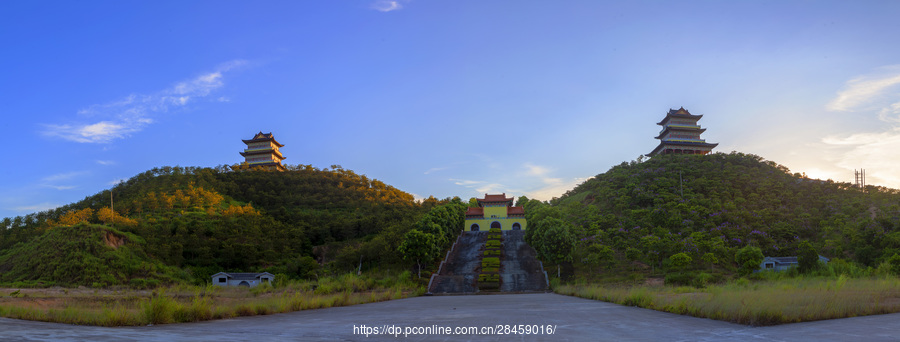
x=520, y=271
x=457, y=273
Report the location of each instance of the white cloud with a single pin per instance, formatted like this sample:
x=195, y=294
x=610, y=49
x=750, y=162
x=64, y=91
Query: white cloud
x=63, y=176
x=876, y=152
x=131, y=114
x=861, y=91
x=876, y=94
x=435, y=169
x=106, y=162
x=36, y=208
x=386, y=5
x=554, y=188
x=60, y=187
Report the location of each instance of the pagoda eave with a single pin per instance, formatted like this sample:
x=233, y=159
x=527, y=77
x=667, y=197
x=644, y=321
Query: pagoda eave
x=262, y=140
x=266, y=152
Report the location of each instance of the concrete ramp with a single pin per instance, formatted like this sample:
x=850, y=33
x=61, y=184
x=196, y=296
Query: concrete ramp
x=458, y=271
x=520, y=271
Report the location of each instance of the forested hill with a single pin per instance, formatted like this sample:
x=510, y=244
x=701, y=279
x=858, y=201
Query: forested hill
x=720, y=202
x=206, y=220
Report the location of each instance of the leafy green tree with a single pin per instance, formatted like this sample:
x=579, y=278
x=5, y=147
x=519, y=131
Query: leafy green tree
x=710, y=258
x=419, y=247
x=808, y=258
x=748, y=259
x=600, y=256
x=681, y=261
x=633, y=254
x=894, y=261
x=556, y=242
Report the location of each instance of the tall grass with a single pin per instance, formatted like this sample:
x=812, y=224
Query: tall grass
x=765, y=302
x=190, y=303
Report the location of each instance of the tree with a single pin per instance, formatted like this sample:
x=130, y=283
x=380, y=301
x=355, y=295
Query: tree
x=556, y=242
x=711, y=259
x=600, y=256
x=894, y=261
x=748, y=259
x=681, y=261
x=633, y=254
x=808, y=258
x=419, y=247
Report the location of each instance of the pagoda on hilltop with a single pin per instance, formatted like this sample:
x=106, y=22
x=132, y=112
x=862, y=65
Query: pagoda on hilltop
x=495, y=211
x=262, y=151
x=681, y=134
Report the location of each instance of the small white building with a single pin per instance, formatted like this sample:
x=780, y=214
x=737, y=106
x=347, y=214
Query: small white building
x=241, y=279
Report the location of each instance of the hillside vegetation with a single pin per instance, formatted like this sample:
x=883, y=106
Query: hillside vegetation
x=675, y=213
x=184, y=224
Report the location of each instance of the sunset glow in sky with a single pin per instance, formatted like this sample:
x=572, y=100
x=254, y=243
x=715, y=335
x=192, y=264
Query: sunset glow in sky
x=443, y=98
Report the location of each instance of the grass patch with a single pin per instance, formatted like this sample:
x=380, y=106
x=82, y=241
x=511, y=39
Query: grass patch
x=766, y=302
x=184, y=303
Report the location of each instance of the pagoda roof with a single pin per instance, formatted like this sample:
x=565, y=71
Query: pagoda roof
x=515, y=211
x=665, y=143
x=476, y=211
x=277, y=166
x=495, y=198
x=678, y=113
x=679, y=128
x=263, y=137
x=257, y=152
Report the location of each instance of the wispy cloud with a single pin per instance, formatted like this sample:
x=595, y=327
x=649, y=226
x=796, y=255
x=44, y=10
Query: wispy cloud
x=64, y=176
x=435, y=169
x=875, y=151
x=35, y=208
x=861, y=92
x=480, y=186
x=386, y=5
x=118, y=119
x=878, y=95
x=106, y=162
x=52, y=180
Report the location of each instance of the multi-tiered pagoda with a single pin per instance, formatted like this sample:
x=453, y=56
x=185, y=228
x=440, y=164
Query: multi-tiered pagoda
x=262, y=151
x=681, y=134
x=495, y=211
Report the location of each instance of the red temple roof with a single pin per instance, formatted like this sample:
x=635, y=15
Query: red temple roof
x=479, y=211
x=495, y=198
x=515, y=211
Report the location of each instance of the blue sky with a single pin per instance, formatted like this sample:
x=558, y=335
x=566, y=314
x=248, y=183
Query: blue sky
x=443, y=98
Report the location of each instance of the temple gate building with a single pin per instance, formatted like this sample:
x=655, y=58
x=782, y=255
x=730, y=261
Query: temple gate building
x=495, y=211
x=262, y=151
x=681, y=134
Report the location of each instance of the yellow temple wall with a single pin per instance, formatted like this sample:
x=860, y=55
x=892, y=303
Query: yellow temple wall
x=485, y=223
x=495, y=211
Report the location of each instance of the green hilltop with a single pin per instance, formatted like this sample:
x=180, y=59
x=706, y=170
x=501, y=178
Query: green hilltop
x=642, y=218
x=185, y=224
x=642, y=213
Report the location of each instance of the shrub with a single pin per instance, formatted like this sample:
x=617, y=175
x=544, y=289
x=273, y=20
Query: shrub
x=490, y=262
x=492, y=244
x=159, y=309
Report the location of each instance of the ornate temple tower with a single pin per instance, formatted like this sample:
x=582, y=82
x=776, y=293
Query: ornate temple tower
x=681, y=134
x=495, y=211
x=262, y=151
